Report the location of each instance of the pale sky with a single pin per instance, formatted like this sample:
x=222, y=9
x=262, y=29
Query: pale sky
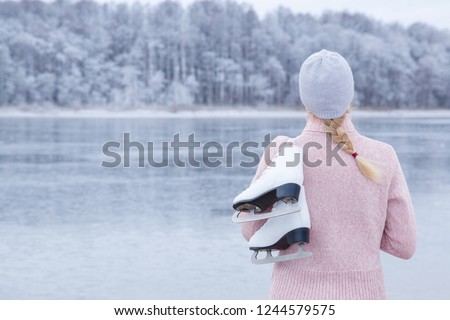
x=434, y=12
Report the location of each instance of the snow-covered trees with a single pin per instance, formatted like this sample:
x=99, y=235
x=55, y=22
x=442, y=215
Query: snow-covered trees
x=84, y=53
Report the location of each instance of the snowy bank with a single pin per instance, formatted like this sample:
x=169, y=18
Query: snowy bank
x=209, y=113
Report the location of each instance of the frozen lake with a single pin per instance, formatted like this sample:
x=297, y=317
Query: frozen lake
x=71, y=229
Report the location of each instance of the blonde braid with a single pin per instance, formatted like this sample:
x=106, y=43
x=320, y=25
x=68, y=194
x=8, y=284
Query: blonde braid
x=341, y=138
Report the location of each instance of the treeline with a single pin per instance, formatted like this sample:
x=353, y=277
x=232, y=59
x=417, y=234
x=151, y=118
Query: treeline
x=74, y=54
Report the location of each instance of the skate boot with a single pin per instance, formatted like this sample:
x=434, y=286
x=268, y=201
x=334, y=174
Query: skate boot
x=279, y=186
x=282, y=232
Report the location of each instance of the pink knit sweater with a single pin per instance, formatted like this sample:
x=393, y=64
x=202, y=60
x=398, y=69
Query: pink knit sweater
x=352, y=218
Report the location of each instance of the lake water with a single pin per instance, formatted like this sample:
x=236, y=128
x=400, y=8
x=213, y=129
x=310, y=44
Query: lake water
x=72, y=229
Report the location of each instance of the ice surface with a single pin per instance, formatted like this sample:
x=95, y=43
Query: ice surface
x=70, y=229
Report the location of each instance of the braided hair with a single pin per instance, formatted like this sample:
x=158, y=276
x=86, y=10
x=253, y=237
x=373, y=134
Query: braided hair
x=341, y=138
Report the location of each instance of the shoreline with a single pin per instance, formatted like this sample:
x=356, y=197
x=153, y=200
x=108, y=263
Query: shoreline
x=205, y=113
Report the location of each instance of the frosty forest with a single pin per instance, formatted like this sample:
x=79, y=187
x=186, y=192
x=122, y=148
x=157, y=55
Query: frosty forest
x=216, y=53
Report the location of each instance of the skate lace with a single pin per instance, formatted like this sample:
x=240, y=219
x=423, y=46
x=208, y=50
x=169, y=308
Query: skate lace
x=269, y=166
x=271, y=161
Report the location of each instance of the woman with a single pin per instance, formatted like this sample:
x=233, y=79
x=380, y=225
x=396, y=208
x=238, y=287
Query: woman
x=358, y=200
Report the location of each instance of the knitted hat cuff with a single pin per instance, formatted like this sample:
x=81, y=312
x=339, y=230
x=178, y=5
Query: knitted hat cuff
x=328, y=114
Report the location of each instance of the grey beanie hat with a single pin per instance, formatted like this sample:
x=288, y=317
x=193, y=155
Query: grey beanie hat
x=326, y=84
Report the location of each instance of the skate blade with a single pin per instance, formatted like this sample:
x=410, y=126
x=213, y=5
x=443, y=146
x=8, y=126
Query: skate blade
x=252, y=216
x=271, y=259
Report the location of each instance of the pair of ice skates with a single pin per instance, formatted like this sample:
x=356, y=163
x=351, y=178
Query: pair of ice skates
x=279, y=196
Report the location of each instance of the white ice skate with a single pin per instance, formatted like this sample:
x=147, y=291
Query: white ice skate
x=279, y=186
x=281, y=232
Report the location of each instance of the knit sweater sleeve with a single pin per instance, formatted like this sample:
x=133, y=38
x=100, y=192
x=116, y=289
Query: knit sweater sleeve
x=249, y=228
x=399, y=236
